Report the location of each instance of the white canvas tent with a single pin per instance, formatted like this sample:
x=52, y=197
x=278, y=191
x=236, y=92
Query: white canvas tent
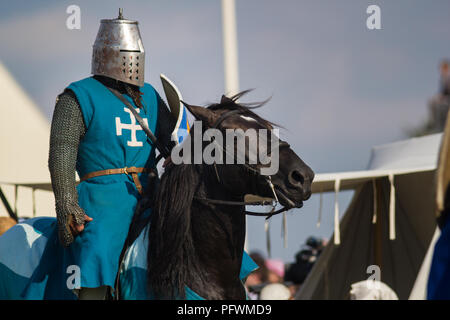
x=390, y=222
x=24, y=145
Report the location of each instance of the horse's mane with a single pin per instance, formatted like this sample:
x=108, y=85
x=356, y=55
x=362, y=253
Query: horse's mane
x=171, y=253
x=245, y=108
x=171, y=247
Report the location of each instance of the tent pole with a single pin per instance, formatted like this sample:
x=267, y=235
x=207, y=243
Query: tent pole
x=230, y=47
x=378, y=234
x=33, y=194
x=16, y=196
x=11, y=213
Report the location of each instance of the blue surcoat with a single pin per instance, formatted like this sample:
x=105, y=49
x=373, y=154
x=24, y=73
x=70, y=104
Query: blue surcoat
x=113, y=139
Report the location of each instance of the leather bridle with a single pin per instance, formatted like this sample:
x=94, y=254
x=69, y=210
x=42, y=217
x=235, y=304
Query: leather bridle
x=164, y=152
x=273, y=202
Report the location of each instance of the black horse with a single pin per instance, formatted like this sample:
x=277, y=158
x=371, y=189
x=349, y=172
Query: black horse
x=196, y=225
x=198, y=213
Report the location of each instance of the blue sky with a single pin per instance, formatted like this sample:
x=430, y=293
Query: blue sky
x=337, y=87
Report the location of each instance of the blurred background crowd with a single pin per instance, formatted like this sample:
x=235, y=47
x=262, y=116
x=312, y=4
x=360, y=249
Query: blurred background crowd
x=438, y=105
x=275, y=280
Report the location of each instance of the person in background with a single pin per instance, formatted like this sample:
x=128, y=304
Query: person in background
x=438, y=106
x=258, y=276
x=372, y=290
x=316, y=245
x=256, y=280
x=444, y=86
x=297, y=272
x=275, y=291
x=6, y=223
x=438, y=287
x=275, y=269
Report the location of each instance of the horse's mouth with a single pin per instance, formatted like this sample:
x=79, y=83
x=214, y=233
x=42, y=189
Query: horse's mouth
x=286, y=201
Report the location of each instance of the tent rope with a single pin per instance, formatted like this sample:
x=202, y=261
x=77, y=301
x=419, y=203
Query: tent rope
x=319, y=218
x=267, y=230
x=284, y=230
x=33, y=194
x=337, y=234
x=392, y=208
x=16, y=194
x=375, y=208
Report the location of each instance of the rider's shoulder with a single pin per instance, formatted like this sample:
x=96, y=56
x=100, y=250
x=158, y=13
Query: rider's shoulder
x=150, y=92
x=88, y=81
x=148, y=87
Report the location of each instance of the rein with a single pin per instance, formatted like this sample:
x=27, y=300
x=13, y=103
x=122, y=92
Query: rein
x=248, y=203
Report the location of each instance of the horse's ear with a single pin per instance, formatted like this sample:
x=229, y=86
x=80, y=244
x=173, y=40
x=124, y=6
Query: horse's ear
x=200, y=113
x=225, y=100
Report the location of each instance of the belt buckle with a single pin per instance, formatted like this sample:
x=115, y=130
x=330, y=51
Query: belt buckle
x=125, y=170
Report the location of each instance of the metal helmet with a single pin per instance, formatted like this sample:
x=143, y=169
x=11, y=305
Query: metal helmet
x=118, y=51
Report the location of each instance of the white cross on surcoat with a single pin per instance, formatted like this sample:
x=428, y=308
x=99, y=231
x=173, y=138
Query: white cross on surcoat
x=130, y=126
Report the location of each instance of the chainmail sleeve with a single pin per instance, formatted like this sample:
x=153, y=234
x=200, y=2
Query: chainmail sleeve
x=67, y=130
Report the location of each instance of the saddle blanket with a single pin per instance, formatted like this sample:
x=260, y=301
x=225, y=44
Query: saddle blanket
x=34, y=243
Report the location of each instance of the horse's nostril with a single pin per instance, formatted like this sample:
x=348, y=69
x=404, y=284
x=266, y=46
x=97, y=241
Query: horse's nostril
x=307, y=195
x=296, y=178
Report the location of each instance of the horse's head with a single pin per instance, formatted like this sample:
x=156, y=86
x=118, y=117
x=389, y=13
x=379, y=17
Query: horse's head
x=229, y=153
x=254, y=160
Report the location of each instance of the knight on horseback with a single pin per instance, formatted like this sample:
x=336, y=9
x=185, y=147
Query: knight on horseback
x=96, y=135
x=121, y=232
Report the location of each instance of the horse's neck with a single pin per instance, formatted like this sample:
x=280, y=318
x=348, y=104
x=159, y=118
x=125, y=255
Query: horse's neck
x=219, y=233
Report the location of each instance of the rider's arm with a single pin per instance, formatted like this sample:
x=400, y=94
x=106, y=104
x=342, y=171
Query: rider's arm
x=67, y=130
